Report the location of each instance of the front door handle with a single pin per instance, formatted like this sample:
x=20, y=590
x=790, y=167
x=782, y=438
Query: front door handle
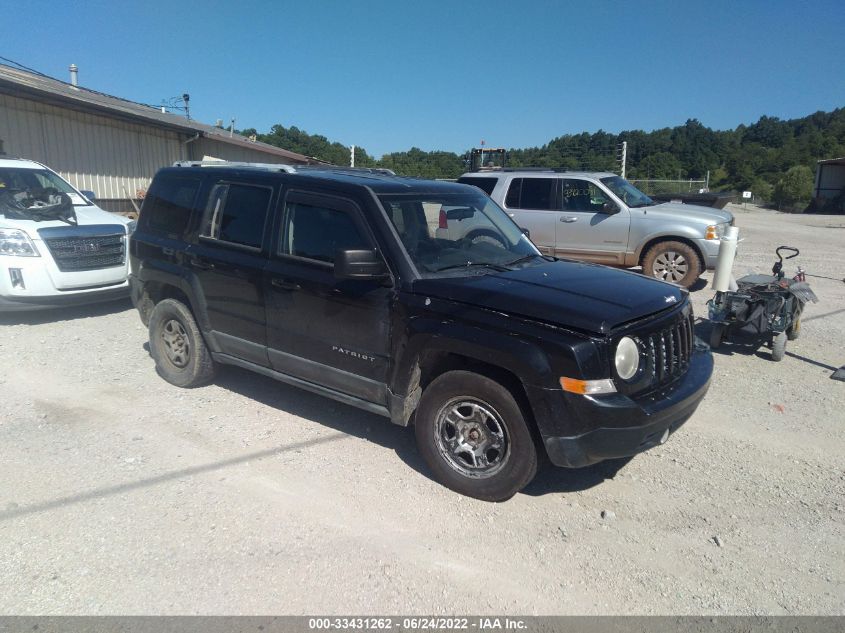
x=568, y=219
x=284, y=285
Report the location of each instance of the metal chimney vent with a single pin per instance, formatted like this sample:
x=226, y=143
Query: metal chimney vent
x=74, y=78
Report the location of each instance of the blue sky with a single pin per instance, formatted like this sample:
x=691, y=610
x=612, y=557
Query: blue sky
x=389, y=75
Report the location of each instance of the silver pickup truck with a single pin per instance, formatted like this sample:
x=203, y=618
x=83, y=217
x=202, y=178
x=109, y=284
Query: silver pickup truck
x=602, y=218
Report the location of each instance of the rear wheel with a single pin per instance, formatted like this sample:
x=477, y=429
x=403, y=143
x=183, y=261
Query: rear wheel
x=795, y=329
x=177, y=346
x=779, y=347
x=473, y=435
x=672, y=261
x=717, y=335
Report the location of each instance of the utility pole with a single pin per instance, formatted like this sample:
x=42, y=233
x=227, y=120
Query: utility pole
x=624, y=158
x=352, y=157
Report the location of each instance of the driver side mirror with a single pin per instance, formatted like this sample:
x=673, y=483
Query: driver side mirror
x=609, y=208
x=359, y=265
x=88, y=194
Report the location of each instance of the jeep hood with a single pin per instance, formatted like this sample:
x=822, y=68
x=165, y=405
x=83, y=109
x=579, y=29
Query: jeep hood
x=675, y=210
x=576, y=295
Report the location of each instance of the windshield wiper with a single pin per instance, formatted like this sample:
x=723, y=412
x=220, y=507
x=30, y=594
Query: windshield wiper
x=524, y=259
x=497, y=267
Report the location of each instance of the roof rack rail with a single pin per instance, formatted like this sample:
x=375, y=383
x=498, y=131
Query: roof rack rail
x=290, y=169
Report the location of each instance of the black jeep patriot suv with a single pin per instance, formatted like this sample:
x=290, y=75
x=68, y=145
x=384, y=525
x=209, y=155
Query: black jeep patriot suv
x=342, y=282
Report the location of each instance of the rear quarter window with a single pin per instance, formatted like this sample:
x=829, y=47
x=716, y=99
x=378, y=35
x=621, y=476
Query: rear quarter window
x=485, y=184
x=169, y=205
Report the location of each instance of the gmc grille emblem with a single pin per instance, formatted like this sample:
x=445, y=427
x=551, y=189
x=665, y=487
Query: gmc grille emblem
x=89, y=247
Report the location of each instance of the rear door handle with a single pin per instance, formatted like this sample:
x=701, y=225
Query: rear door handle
x=196, y=262
x=284, y=285
x=569, y=219
x=167, y=251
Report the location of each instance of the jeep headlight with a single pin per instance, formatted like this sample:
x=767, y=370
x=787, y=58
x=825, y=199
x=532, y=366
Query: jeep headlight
x=16, y=243
x=627, y=358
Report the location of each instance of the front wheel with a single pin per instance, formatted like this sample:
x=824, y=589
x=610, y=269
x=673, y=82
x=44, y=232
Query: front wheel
x=779, y=347
x=673, y=261
x=473, y=435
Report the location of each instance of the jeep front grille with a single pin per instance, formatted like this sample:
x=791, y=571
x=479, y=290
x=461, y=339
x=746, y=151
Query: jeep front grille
x=81, y=252
x=667, y=352
x=666, y=348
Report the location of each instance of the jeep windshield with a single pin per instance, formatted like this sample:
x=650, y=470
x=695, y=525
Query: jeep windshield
x=464, y=233
x=627, y=192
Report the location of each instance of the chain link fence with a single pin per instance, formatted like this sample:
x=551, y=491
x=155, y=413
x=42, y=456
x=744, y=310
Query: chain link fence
x=657, y=187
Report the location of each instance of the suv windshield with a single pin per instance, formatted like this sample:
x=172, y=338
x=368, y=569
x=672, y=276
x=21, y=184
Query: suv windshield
x=457, y=232
x=17, y=179
x=627, y=192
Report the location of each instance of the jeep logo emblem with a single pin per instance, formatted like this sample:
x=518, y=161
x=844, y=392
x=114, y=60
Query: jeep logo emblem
x=353, y=354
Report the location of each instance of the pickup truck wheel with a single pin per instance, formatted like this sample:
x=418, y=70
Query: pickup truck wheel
x=673, y=261
x=474, y=437
x=177, y=347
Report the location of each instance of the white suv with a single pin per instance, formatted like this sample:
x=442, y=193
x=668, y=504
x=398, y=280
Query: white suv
x=56, y=247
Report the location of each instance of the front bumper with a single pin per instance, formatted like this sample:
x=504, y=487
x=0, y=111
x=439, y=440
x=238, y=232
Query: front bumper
x=25, y=303
x=710, y=252
x=629, y=427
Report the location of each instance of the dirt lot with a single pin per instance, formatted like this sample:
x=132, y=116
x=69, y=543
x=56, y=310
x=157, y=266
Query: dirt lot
x=121, y=494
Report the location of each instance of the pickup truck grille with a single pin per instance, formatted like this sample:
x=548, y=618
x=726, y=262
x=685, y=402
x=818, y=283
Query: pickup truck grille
x=87, y=253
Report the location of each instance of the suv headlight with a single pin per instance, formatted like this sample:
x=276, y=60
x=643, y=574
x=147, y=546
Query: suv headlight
x=627, y=358
x=16, y=243
x=716, y=231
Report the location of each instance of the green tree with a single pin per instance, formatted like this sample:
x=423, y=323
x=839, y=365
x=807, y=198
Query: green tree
x=795, y=187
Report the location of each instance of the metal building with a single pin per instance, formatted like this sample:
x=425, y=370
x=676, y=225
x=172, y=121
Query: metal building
x=829, y=190
x=109, y=145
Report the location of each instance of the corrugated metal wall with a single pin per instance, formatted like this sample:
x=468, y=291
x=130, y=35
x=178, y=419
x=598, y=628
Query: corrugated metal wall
x=112, y=158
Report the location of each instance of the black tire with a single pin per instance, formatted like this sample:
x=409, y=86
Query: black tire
x=795, y=330
x=672, y=261
x=494, y=456
x=717, y=335
x=778, y=347
x=177, y=346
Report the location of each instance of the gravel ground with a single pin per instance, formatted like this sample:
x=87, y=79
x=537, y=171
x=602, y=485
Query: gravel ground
x=122, y=494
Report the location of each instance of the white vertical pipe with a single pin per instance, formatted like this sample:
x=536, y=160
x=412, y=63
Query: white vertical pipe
x=725, y=261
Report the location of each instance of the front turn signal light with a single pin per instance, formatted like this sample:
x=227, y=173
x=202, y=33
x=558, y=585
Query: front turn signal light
x=587, y=387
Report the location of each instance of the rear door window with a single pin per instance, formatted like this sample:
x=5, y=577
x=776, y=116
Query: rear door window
x=237, y=214
x=531, y=193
